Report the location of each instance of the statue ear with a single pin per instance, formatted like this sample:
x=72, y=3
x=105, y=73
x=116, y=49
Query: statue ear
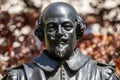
x=39, y=30
x=81, y=26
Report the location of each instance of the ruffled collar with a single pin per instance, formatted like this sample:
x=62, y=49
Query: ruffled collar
x=48, y=64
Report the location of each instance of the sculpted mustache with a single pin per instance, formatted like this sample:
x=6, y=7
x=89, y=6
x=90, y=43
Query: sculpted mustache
x=65, y=39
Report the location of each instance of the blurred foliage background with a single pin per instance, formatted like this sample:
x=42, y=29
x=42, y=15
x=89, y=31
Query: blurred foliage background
x=18, y=44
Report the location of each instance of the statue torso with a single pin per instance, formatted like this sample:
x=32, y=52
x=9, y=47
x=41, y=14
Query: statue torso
x=79, y=67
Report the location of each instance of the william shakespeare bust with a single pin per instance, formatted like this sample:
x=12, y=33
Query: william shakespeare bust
x=60, y=27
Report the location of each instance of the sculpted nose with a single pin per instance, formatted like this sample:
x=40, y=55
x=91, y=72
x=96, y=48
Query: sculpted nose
x=59, y=32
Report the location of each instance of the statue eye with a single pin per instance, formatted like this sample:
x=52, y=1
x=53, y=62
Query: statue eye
x=67, y=26
x=51, y=27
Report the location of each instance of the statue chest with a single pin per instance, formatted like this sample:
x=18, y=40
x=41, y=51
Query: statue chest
x=62, y=73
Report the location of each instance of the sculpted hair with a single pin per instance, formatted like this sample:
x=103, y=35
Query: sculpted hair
x=39, y=29
x=81, y=26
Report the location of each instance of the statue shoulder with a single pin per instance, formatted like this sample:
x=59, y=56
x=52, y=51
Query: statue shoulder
x=103, y=71
x=18, y=73
x=14, y=73
x=107, y=71
x=106, y=68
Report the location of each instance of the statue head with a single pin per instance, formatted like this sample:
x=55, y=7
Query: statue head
x=59, y=26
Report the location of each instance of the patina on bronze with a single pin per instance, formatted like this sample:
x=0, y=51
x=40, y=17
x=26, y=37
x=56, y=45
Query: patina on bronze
x=60, y=27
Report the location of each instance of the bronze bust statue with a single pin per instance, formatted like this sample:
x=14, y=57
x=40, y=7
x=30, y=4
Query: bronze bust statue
x=60, y=27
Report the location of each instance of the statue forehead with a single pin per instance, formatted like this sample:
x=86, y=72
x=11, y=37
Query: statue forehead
x=59, y=10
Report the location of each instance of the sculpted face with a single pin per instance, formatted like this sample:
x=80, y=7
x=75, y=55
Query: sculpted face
x=60, y=31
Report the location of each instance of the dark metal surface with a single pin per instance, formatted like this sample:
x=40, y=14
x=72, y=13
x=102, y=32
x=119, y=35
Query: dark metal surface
x=60, y=27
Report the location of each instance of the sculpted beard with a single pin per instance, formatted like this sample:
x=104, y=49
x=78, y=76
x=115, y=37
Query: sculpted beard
x=61, y=50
